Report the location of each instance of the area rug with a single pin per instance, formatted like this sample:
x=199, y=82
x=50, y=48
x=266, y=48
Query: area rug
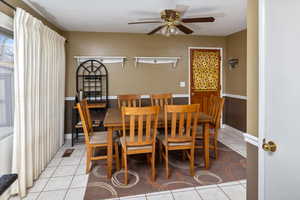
x=230, y=166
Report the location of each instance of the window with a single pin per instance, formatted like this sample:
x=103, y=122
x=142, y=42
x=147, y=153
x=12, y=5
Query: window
x=6, y=84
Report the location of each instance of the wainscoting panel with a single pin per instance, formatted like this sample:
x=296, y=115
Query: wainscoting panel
x=235, y=113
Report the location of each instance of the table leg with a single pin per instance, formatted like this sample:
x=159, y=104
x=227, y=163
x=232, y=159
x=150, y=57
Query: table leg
x=206, y=145
x=109, y=151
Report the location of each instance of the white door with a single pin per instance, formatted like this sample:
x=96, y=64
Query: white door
x=279, y=99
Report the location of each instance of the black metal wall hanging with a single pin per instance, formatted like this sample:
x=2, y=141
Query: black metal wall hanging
x=92, y=81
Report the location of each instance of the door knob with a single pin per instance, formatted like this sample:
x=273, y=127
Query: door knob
x=269, y=146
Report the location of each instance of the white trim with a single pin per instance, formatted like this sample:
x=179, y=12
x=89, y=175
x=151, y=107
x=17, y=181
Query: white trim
x=235, y=96
x=142, y=96
x=261, y=97
x=189, y=68
x=232, y=129
x=69, y=98
x=251, y=139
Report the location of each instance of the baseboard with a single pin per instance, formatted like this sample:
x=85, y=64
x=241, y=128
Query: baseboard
x=251, y=139
x=247, y=137
x=232, y=129
x=68, y=136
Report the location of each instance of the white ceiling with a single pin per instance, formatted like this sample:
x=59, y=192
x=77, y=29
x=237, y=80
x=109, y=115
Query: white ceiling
x=113, y=15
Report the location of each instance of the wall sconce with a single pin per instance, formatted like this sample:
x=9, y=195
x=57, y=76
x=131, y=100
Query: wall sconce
x=233, y=63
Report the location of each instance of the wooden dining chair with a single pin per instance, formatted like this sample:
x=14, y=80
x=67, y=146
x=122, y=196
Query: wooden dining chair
x=181, y=136
x=161, y=99
x=139, y=135
x=94, y=140
x=215, y=111
x=129, y=100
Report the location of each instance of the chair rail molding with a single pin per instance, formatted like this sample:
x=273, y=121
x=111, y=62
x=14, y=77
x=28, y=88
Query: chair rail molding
x=103, y=59
x=142, y=96
x=234, y=96
x=157, y=60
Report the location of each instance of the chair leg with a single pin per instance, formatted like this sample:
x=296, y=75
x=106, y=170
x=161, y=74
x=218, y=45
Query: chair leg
x=123, y=160
x=125, y=168
x=88, y=159
x=192, y=162
x=167, y=163
x=183, y=155
x=216, y=143
x=117, y=156
x=148, y=159
x=160, y=151
x=153, y=174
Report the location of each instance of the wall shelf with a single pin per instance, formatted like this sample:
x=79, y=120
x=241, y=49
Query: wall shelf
x=157, y=60
x=102, y=59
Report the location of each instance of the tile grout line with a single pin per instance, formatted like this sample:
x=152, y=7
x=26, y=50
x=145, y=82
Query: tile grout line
x=47, y=178
x=73, y=176
x=224, y=192
x=199, y=194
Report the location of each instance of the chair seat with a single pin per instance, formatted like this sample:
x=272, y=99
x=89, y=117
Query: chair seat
x=100, y=137
x=145, y=147
x=163, y=140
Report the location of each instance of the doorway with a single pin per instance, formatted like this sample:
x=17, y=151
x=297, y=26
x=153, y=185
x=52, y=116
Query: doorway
x=205, y=74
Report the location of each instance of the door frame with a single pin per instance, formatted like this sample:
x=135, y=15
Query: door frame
x=261, y=96
x=221, y=69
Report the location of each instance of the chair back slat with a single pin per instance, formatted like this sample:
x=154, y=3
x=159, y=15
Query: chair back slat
x=215, y=109
x=184, y=122
x=188, y=124
x=140, y=129
x=181, y=121
x=84, y=120
x=129, y=101
x=173, y=125
x=132, y=128
x=161, y=99
x=143, y=130
x=148, y=127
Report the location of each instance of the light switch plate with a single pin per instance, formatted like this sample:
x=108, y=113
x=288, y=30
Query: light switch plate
x=182, y=84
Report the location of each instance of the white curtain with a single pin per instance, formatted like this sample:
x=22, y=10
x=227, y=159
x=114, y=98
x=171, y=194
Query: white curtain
x=39, y=97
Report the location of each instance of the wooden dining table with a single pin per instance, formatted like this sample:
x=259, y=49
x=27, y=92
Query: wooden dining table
x=113, y=122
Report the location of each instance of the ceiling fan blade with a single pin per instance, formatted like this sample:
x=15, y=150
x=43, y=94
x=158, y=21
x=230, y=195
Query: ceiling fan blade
x=181, y=8
x=184, y=29
x=198, y=19
x=150, y=19
x=155, y=30
x=145, y=22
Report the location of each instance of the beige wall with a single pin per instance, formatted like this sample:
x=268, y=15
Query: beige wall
x=18, y=3
x=236, y=78
x=252, y=67
x=146, y=78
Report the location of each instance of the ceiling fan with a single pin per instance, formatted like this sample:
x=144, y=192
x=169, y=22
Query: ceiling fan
x=173, y=22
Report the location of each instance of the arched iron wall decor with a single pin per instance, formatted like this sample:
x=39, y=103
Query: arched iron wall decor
x=92, y=81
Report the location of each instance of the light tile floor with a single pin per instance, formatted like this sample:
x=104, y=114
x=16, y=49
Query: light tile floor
x=65, y=179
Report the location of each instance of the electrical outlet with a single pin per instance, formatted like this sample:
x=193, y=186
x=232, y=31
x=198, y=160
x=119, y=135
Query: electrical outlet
x=182, y=84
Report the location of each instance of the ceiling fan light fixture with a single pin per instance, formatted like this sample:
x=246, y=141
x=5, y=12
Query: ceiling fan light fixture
x=173, y=29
